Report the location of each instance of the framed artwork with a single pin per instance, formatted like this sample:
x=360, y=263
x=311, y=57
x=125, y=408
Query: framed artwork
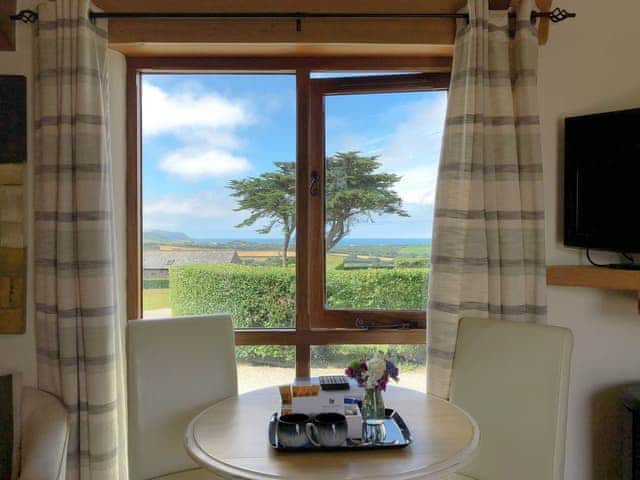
x=13, y=154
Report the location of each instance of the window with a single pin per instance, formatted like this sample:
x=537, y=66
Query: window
x=211, y=145
x=299, y=203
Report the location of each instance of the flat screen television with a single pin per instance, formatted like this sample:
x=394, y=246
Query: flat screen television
x=602, y=181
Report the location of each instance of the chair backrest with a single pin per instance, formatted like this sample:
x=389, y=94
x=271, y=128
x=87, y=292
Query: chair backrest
x=176, y=368
x=513, y=378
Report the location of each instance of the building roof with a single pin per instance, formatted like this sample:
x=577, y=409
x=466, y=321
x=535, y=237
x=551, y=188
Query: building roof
x=159, y=259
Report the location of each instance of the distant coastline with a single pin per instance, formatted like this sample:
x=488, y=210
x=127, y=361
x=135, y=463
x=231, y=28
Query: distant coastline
x=154, y=239
x=346, y=242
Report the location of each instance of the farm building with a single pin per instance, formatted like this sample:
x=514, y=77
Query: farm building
x=156, y=263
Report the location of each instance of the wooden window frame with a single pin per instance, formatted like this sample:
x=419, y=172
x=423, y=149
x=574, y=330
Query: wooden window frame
x=320, y=315
x=314, y=325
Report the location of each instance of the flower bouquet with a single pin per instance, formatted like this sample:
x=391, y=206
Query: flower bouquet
x=373, y=375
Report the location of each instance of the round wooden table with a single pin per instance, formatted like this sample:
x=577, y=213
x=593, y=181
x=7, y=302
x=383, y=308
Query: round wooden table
x=230, y=438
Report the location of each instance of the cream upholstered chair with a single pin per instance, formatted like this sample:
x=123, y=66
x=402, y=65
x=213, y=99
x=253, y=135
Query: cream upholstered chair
x=513, y=378
x=176, y=368
x=44, y=436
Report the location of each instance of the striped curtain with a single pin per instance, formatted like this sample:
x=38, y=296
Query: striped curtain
x=76, y=327
x=488, y=235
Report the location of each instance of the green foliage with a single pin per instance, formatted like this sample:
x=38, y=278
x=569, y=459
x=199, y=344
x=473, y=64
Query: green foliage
x=342, y=355
x=353, y=262
x=411, y=262
x=270, y=197
x=272, y=355
x=255, y=297
x=151, y=283
x=377, y=289
x=265, y=298
x=276, y=261
x=355, y=192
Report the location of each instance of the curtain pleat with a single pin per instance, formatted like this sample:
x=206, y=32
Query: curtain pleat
x=76, y=327
x=488, y=255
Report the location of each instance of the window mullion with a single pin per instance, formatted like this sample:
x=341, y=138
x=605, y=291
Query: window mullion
x=303, y=322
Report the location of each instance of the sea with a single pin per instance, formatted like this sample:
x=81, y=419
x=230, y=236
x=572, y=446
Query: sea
x=345, y=242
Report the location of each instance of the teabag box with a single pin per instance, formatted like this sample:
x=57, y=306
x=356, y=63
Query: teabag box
x=318, y=401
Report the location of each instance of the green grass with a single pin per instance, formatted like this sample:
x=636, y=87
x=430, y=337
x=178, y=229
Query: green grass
x=155, y=298
x=334, y=261
x=417, y=250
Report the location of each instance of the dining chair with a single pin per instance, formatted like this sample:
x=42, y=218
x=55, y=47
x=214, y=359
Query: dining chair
x=513, y=378
x=176, y=368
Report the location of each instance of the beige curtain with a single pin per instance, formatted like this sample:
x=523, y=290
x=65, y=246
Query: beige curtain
x=78, y=335
x=488, y=235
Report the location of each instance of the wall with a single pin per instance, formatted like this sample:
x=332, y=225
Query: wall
x=590, y=64
x=18, y=352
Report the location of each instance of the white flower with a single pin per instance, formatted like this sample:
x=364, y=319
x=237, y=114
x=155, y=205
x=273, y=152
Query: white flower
x=375, y=370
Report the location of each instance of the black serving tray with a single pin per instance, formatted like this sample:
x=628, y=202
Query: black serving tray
x=397, y=435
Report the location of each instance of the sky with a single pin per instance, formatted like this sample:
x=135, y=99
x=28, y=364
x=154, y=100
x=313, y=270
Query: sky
x=199, y=131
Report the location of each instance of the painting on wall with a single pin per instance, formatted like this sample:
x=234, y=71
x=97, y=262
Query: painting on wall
x=13, y=154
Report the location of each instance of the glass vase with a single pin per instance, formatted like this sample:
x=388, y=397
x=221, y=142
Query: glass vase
x=372, y=407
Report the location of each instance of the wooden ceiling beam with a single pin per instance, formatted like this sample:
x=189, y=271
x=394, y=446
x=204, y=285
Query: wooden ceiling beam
x=316, y=37
x=280, y=6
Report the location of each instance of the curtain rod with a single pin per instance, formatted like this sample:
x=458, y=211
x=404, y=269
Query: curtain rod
x=29, y=16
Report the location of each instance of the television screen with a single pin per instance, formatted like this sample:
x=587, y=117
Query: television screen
x=602, y=181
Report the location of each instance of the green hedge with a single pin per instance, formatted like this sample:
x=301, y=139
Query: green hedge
x=386, y=289
x=255, y=297
x=264, y=297
x=404, y=262
x=151, y=283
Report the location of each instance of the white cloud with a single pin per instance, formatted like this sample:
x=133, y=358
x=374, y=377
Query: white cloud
x=413, y=151
x=170, y=113
x=207, y=214
x=202, y=205
x=417, y=140
x=418, y=185
x=205, y=126
x=196, y=163
x=202, y=212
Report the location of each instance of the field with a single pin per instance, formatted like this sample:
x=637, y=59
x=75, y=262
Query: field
x=258, y=254
x=415, y=251
x=154, y=299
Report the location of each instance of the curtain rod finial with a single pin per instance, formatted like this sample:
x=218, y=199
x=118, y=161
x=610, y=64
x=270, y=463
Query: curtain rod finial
x=25, y=16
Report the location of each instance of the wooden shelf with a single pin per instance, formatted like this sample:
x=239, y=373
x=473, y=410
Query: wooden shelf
x=594, y=277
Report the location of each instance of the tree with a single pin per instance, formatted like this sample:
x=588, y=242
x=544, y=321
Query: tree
x=271, y=196
x=354, y=193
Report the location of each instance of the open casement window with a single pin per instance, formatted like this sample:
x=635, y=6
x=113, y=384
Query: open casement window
x=344, y=190
x=359, y=256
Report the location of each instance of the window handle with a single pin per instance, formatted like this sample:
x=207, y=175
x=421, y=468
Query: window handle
x=314, y=187
x=361, y=324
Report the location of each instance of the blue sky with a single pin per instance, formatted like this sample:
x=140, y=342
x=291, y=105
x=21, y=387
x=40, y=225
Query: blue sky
x=200, y=131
